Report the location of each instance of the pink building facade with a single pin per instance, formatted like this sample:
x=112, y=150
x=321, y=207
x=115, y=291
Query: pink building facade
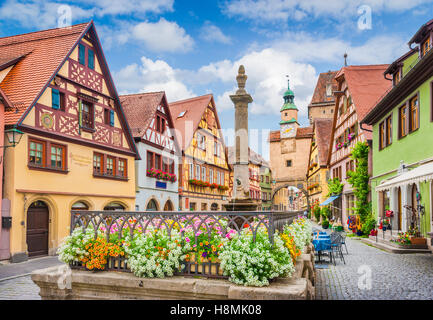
x=359, y=87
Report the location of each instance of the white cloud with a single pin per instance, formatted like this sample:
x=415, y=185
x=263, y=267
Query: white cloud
x=212, y=33
x=266, y=70
x=43, y=14
x=281, y=10
x=151, y=76
x=163, y=36
x=306, y=47
x=110, y=7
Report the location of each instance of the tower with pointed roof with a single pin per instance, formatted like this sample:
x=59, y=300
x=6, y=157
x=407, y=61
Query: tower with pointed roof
x=289, y=114
x=289, y=151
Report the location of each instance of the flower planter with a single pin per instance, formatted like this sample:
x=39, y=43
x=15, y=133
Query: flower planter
x=203, y=268
x=418, y=240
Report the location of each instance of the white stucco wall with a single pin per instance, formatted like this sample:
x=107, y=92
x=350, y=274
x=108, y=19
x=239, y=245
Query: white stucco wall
x=146, y=188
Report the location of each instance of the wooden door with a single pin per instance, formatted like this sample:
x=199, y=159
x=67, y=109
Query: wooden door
x=399, y=208
x=37, y=229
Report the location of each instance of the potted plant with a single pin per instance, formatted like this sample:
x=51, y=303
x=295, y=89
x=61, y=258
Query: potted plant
x=415, y=236
x=325, y=224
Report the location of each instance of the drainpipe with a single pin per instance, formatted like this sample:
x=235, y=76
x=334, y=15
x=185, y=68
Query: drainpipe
x=364, y=128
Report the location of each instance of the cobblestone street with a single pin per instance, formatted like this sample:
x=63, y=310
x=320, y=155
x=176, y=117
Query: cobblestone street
x=393, y=276
x=15, y=280
x=21, y=288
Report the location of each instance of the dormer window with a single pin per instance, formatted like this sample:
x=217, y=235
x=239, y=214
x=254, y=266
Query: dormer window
x=329, y=89
x=425, y=47
x=396, y=77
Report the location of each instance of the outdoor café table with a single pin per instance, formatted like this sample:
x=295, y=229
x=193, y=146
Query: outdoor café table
x=321, y=242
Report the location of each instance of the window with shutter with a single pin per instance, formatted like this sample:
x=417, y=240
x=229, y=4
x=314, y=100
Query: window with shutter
x=197, y=171
x=191, y=171
x=203, y=173
x=91, y=59
x=112, y=118
x=81, y=54
x=55, y=99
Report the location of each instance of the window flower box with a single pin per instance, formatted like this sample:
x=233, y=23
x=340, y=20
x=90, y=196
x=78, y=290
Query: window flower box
x=418, y=240
x=161, y=175
x=351, y=136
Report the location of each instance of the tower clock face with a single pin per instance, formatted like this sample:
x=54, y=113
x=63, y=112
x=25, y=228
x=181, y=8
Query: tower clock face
x=288, y=130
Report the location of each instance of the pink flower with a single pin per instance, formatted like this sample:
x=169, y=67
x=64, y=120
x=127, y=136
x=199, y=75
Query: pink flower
x=187, y=239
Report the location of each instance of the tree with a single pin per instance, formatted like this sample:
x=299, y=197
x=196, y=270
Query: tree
x=335, y=187
x=359, y=180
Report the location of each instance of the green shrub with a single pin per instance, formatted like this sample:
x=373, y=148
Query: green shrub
x=369, y=224
x=326, y=212
x=325, y=224
x=316, y=212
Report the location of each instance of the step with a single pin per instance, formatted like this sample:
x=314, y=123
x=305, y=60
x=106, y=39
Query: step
x=393, y=249
x=396, y=245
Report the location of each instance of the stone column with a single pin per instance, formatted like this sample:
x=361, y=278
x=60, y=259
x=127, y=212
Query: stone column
x=241, y=185
x=241, y=200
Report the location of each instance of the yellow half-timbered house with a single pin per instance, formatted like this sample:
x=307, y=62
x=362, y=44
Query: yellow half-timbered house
x=204, y=170
x=77, y=151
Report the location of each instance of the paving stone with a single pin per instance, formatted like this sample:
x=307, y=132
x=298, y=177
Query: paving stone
x=393, y=276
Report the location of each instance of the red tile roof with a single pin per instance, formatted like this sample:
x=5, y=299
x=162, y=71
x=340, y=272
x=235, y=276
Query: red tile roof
x=366, y=85
x=38, y=55
x=319, y=95
x=274, y=136
x=193, y=110
x=322, y=132
x=306, y=132
x=140, y=109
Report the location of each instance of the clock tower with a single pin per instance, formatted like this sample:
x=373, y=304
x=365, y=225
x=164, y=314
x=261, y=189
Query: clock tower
x=289, y=115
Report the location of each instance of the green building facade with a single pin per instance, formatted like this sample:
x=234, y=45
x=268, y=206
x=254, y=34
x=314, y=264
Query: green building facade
x=403, y=139
x=266, y=187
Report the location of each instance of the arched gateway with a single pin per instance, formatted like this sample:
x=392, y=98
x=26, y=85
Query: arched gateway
x=287, y=185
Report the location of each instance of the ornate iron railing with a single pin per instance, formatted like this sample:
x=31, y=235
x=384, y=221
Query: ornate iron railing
x=206, y=221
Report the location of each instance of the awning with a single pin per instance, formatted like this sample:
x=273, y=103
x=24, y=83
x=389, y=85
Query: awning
x=329, y=200
x=419, y=174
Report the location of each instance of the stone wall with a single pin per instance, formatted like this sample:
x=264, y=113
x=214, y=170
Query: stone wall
x=54, y=283
x=298, y=151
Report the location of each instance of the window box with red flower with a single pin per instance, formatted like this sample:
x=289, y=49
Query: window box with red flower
x=161, y=175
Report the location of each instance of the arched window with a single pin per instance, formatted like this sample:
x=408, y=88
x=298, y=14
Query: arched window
x=152, y=206
x=79, y=205
x=114, y=206
x=168, y=206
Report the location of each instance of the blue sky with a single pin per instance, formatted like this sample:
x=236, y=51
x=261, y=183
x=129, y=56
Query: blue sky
x=189, y=48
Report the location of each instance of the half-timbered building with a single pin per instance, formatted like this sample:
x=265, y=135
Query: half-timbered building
x=151, y=124
x=204, y=169
x=257, y=169
x=77, y=151
x=358, y=88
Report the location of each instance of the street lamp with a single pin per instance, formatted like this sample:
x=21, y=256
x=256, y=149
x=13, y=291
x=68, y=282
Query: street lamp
x=14, y=136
